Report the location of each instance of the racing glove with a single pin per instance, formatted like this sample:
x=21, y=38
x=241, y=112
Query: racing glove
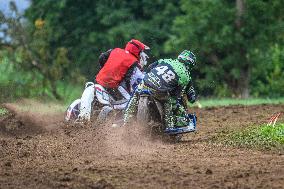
x=191, y=95
x=103, y=57
x=151, y=66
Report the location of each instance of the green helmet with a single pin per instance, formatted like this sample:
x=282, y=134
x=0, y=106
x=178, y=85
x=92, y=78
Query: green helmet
x=188, y=58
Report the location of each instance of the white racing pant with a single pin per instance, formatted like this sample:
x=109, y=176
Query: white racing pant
x=89, y=94
x=86, y=101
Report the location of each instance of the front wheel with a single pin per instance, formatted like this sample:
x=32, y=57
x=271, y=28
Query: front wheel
x=143, y=113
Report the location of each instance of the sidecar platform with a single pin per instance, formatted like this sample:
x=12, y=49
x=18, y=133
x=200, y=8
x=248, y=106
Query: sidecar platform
x=191, y=127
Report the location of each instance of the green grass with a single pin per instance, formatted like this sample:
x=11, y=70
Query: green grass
x=247, y=102
x=260, y=137
x=31, y=105
x=3, y=111
x=16, y=84
x=70, y=92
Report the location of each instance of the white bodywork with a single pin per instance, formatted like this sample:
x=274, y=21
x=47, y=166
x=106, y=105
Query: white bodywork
x=73, y=110
x=92, y=90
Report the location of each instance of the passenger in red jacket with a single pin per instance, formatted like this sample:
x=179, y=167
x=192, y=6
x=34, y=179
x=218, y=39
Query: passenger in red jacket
x=120, y=64
x=120, y=73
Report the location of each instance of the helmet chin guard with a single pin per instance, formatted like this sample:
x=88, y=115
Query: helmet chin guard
x=143, y=59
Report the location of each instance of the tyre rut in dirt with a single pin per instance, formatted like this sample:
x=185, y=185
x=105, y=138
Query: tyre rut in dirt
x=103, y=115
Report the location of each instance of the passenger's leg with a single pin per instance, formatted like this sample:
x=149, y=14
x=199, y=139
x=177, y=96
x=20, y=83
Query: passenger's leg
x=86, y=102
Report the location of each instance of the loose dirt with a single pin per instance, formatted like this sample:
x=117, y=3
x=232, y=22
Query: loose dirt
x=40, y=151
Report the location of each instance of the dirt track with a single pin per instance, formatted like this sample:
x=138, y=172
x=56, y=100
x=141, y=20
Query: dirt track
x=39, y=151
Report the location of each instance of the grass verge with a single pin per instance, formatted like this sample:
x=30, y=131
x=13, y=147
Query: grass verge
x=39, y=106
x=246, y=102
x=260, y=137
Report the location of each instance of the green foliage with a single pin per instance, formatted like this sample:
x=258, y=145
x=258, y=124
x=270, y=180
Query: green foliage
x=95, y=26
x=261, y=137
x=204, y=29
x=32, y=54
x=14, y=83
x=226, y=43
x=239, y=49
x=69, y=92
x=268, y=75
x=21, y=84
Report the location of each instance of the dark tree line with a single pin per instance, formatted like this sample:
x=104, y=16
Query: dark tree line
x=239, y=43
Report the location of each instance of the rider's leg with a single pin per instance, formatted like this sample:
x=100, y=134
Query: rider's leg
x=135, y=79
x=119, y=96
x=181, y=116
x=123, y=90
x=86, y=101
x=177, y=112
x=130, y=83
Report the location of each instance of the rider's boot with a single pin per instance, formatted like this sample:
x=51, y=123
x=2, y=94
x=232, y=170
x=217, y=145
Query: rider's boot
x=184, y=120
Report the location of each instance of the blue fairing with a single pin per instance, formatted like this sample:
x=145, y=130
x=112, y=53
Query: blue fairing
x=145, y=92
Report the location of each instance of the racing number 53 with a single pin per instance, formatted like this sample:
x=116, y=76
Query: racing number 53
x=167, y=74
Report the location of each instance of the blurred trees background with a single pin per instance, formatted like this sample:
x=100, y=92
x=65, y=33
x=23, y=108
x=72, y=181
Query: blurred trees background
x=239, y=43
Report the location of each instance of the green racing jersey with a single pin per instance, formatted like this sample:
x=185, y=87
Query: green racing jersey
x=168, y=75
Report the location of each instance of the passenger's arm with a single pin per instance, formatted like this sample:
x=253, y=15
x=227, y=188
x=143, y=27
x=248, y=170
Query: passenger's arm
x=129, y=73
x=103, y=57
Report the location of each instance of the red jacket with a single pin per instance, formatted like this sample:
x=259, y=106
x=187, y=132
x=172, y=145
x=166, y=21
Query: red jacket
x=118, y=63
x=115, y=68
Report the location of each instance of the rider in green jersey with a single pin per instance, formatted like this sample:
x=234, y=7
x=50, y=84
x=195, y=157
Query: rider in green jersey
x=168, y=79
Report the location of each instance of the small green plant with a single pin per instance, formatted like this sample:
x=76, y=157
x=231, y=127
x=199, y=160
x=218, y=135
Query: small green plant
x=260, y=137
x=3, y=111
